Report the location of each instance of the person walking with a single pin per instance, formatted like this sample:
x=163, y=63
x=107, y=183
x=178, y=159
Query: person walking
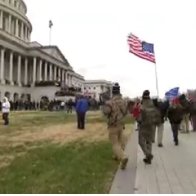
x=186, y=117
x=81, y=109
x=193, y=114
x=136, y=113
x=116, y=109
x=149, y=117
x=5, y=110
x=159, y=128
x=175, y=116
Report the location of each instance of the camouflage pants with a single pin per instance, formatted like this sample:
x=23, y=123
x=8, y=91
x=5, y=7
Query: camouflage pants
x=145, y=139
x=159, y=129
x=118, y=143
x=185, y=123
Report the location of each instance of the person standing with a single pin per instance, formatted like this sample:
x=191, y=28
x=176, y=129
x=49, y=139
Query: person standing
x=81, y=109
x=5, y=110
x=70, y=106
x=116, y=109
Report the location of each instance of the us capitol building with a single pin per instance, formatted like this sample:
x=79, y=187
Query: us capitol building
x=28, y=70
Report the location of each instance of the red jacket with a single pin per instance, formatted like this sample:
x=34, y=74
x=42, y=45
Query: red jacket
x=136, y=111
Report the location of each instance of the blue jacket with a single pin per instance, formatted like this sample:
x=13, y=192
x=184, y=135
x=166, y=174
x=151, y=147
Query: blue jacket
x=82, y=105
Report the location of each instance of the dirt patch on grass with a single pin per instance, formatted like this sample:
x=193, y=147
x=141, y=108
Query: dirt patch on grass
x=6, y=160
x=21, y=142
x=63, y=134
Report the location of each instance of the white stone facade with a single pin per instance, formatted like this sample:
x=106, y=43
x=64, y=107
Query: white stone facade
x=23, y=63
x=94, y=88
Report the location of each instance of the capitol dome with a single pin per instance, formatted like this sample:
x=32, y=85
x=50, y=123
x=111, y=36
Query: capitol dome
x=13, y=19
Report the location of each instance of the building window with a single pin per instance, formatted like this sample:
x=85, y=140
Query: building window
x=94, y=88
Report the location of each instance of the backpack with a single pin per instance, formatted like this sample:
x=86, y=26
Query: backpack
x=150, y=116
x=114, y=112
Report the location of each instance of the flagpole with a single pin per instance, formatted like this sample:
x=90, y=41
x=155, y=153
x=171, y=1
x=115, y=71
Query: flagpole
x=50, y=35
x=50, y=31
x=156, y=75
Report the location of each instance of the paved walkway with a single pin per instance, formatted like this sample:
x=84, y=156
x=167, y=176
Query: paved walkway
x=173, y=169
x=124, y=180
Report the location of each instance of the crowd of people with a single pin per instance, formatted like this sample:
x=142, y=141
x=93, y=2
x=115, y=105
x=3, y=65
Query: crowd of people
x=52, y=105
x=149, y=114
x=179, y=111
x=45, y=105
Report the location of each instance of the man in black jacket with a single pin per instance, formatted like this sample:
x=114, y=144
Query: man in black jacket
x=175, y=115
x=162, y=107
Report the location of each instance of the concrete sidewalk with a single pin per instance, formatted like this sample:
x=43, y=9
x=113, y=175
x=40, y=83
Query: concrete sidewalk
x=173, y=169
x=124, y=180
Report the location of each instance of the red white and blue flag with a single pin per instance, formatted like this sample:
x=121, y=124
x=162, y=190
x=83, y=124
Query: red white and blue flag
x=141, y=49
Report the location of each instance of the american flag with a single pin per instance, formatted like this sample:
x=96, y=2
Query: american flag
x=141, y=49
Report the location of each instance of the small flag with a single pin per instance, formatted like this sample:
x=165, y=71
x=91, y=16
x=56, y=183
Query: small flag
x=50, y=23
x=173, y=93
x=141, y=49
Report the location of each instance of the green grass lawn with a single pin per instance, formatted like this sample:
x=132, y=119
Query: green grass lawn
x=76, y=167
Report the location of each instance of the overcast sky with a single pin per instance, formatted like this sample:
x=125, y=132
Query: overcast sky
x=92, y=34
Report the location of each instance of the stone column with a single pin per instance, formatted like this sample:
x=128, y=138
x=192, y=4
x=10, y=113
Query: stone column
x=59, y=74
x=11, y=69
x=71, y=80
x=10, y=24
x=62, y=75
x=67, y=75
x=65, y=79
x=2, y=66
x=22, y=30
x=26, y=72
x=50, y=74
x=1, y=19
x=46, y=72
x=19, y=71
x=68, y=80
x=34, y=70
x=55, y=72
x=16, y=30
x=25, y=33
x=40, y=71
